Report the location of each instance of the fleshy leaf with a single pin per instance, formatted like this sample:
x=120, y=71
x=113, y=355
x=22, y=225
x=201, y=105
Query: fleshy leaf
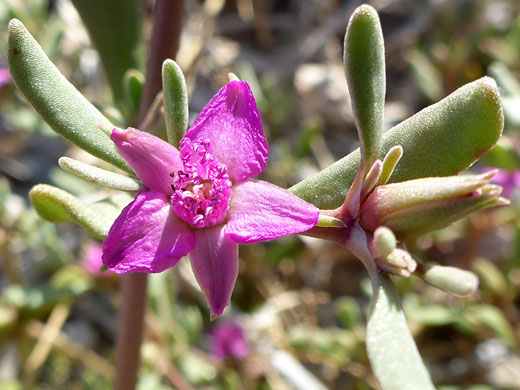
x=133, y=83
x=440, y=140
x=393, y=354
x=390, y=162
x=56, y=206
x=416, y=220
x=328, y=221
x=99, y=176
x=175, y=102
x=392, y=198
x=364, y=61
x=61, y=105
x=114, y=28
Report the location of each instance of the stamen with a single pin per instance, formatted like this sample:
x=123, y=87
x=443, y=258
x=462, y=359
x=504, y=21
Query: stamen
x=201, y=191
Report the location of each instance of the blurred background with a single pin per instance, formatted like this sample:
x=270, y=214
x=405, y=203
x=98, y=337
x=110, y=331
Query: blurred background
x=298, y=310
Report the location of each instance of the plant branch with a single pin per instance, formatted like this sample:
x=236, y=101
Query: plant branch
x=164, y=44
x=165, y=41
x=130, y=330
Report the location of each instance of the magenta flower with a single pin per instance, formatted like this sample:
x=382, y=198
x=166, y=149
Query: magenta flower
x=5, y=76
x=508, y=180
x=92, y=261
x=227, y=339
x=200, y=199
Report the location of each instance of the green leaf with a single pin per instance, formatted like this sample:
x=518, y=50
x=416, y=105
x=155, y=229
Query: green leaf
x=505, y=78
x=440, y=140
x=114, y=28
x=390, y=162
x=492, y=318
x=391, y=349
x=348, y=312
x=491, y=277
x=133, y=83
x=61, y=105
x=56, y=206
x=364, y=61
x=504, y=155
x=99, y=176
x=426, y=75
x=431, y=315
x=175, y=101
x=28, y=299
x=414, y=207
x=328, y=221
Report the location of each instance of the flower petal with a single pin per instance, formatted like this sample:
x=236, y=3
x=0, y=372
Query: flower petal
x=261, y=211
x=150, y=157
x=215, y=265
x=146, y=237
x=232, y=124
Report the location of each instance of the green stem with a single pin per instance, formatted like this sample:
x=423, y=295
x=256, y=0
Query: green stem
x=164, y=44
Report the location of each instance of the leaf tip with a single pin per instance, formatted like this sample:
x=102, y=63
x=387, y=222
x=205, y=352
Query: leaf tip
x=489, y=89
x=15, y=28
x=171, y=64
x=14, y=25
x=37, y=190
x=365, y=10
x=62, y=161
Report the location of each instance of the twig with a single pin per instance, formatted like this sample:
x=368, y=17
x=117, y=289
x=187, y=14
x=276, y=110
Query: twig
x=163, y=361
x=152, y=113
x=72, y=349
x=46, y=339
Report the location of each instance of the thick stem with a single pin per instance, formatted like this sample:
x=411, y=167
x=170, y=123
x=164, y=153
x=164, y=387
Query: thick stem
x=339, y=235
x=164, y=44
x=352, y=237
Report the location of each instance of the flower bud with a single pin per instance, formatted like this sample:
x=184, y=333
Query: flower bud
x=384, y=241
x=399, y=262
x=415, y=207
x=453, y=280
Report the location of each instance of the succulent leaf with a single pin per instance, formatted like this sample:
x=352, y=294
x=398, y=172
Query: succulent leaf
x=55, y=205
x=99, y=176
x=175, y=101
x=364, y=62
x=441, y=140
x=391, y=349
x=58, y=102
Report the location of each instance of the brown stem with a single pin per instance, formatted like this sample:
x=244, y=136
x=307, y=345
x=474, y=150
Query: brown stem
x=130, y=330
x=166, y=34
x=164, y=44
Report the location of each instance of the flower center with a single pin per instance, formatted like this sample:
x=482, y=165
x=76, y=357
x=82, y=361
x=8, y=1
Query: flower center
x=201, y=191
